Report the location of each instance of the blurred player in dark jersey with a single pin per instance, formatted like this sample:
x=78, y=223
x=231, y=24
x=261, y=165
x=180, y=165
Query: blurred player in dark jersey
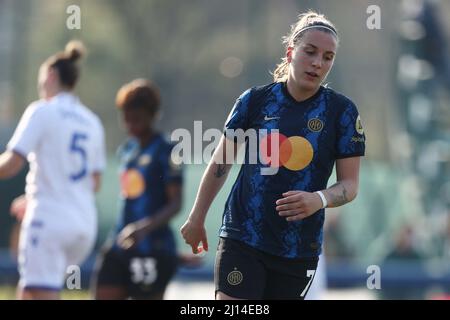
x=142, y=258
x=272, y=230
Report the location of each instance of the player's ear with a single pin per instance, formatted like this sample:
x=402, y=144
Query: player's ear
x=289, y=51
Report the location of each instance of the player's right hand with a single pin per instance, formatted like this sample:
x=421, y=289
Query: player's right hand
x=193, y=233
x=130, y=236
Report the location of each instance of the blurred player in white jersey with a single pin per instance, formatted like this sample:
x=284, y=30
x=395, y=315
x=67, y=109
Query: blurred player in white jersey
x=63, y=141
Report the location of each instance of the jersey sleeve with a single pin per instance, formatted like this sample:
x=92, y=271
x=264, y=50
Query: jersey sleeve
x=351, y=140
x=99, y=164
x=239, y=115
x=30, y=130
x=172, y=172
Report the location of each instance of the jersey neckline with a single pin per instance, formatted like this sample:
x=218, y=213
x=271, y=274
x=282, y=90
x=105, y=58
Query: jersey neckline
x=291, y=99
x=153, y=141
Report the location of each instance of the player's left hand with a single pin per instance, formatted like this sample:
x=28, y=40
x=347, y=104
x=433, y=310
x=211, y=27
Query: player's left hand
x=19, y=207
x=130, y=236
x=298, y=205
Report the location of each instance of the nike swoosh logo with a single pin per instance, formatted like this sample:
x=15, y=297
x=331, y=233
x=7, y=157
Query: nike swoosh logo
x=266, y=118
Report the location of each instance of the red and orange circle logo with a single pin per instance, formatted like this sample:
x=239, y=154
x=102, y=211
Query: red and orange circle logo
x=294, y=153
x=132, y=184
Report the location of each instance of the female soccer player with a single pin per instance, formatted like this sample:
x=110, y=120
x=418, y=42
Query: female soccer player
x=142, y=259
x=271, y=234
x=64, y=143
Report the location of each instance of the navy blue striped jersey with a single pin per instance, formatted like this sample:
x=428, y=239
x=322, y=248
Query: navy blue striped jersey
x=145, y=173
x=312, y=135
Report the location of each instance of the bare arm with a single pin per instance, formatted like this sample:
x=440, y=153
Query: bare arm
x=163, y=216
x=134, y=232
x=215, y=175
x=297, y=205
x=346, y=187
x=213, y=179
x=97, y=181
x=10, y=164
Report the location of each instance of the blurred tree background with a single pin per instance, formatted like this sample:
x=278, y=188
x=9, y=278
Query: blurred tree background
x=202, y=54
x=205, y=53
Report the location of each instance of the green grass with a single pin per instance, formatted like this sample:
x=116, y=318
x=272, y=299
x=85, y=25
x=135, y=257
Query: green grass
x=9, y=293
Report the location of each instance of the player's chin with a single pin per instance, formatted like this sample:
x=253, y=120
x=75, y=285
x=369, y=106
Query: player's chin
x=310, y=84
x=135, y=134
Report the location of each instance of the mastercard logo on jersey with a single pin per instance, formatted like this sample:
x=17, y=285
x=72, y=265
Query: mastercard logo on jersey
x=132, y=184
x=294, y=153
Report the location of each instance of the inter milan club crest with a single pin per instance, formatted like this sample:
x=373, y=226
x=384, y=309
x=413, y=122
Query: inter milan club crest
x=235, y=277
x=145, y=160
x=315, y=125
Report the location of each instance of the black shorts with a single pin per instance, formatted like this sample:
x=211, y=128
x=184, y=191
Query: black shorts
x=142, y=276
x=247, y=273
